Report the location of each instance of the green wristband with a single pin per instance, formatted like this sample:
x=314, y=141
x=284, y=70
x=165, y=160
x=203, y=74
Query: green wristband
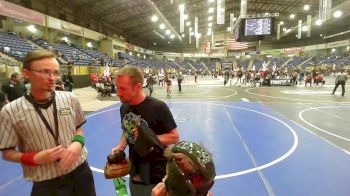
x=80, y=139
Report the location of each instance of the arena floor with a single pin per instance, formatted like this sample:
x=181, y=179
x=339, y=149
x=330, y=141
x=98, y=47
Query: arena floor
x=265, y=140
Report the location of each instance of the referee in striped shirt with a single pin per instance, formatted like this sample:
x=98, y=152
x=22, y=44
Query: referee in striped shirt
x=42, y=131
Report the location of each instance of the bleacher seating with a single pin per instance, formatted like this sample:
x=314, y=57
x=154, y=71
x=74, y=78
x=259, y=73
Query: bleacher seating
x=18, y=46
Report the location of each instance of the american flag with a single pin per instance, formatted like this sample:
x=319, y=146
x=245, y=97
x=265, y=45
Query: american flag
x=232, y=44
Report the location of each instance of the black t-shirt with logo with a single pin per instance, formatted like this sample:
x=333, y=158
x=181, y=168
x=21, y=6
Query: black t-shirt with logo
x=13, y=91
x=2, y=99
x=159, y=118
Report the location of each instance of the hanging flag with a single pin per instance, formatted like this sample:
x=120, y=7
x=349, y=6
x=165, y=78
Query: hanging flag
x=196, y=31
x=182, y=17
x=232, y=44
x=232, y=16
x=278, y=31
x=300, y=23
x=243, y=8
x=189, y=34
x=220, y=12
x=308, y=23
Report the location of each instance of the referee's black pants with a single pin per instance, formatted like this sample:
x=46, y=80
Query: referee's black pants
x=79, y=182
x=342, y=83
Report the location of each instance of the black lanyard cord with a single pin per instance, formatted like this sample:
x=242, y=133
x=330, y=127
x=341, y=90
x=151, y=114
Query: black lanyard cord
x=37, y=109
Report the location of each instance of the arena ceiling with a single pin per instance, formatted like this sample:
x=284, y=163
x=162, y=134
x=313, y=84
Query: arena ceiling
x=132, y=18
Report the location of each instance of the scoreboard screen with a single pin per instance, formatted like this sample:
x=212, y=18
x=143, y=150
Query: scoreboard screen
x=258, y=26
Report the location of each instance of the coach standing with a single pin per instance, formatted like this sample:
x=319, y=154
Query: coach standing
x=42, y=131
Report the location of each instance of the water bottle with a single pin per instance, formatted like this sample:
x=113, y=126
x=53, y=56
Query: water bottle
x=120, y=187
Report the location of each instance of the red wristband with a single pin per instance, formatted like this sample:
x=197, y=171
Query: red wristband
x=28, y=159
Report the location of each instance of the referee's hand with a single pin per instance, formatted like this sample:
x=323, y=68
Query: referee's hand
x=49, y=155
x=159, y=190
x=70, y=155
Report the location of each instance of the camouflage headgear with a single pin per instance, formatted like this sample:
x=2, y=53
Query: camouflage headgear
x=179, y=184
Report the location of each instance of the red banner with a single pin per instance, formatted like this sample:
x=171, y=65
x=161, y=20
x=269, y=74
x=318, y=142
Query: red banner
x=293, y=50
x=21, y=13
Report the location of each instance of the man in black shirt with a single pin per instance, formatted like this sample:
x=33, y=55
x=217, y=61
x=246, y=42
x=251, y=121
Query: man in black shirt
x=3, y=100
x=149, y=170
x=14, y=88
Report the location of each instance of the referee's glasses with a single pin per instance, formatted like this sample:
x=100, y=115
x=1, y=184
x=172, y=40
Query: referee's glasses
x=47, y=73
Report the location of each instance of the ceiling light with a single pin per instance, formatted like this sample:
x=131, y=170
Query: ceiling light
x=333, y=50
x=288, y=30
x=209, y=33
x=321, y=35
x=154, y=43
x=304, y=28
x=210, y=18
x=292, y=16
x=234, y=19
x=284, y=29
x=167, y=32
x=281, y=23
x=266, y=14
x=183, y=35
x=210, y=24
x=306, y=7
x=169, y=42
x=162, y=26
x=211, y=10
x=228, y=28
x=237, y=57
x=172, y=36
x=211, y=1
x=338, y=14
x=348, y=48
x=318, y=22
x=188, y=23
x=32, y=28
x=192, y=33
x=89, y=44
x=198, y=35
x=154, y=18
x=185, y=17
x=209, y=29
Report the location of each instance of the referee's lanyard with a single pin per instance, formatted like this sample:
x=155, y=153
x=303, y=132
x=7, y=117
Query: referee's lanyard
x=37, y=109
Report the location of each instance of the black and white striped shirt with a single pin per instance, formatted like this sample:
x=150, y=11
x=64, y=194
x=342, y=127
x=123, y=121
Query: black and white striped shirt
x=22, y=127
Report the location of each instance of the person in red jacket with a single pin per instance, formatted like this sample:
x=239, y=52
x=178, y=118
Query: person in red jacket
x=319, y=79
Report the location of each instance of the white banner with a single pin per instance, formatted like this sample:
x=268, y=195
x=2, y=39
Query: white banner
x=182, y=17
x=196, y=31
x=244, y=8
x=308, y=24
x=232, y=16
x=278, y=31
x=300, y=23
x=220, y=12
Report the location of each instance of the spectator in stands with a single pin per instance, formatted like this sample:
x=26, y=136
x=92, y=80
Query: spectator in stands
x=308, y=79
x=294, y=78
x=180, y=78
x=239, y=76
x=94, y=80
x=160, y=78
x=3, y=100
x=167, y=81
x=68, y=82
x=14, y=88
x=301, y=76
x=319, y=79
x=59, y=86
x=314, y=74
x=341, y=79
x=195, y=77
x=150, y=82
